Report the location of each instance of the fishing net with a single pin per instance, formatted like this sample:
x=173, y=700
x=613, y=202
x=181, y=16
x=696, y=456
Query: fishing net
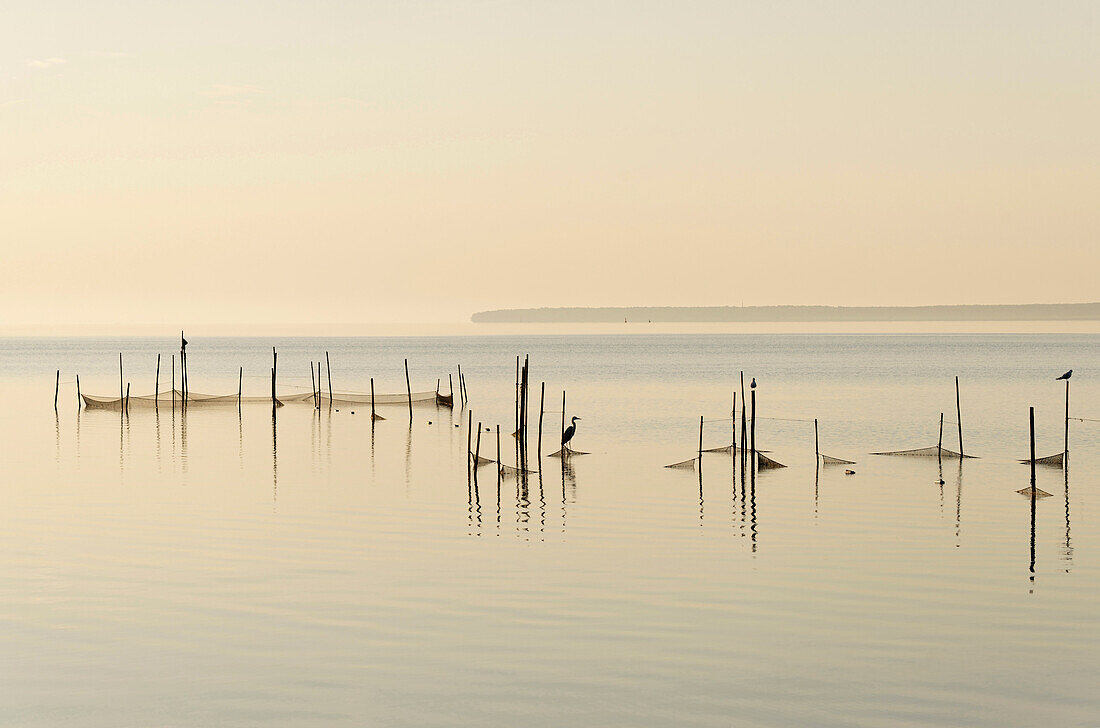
x=1056, y=460
x=347, y=398
x=167, y=398
x=683, y=465
x=765, y=463
x=1039, y=492
x=830, y=460
x=727, y=448
x=479, y=461
x=509, y=470
x=929, y=452
x=567, y=452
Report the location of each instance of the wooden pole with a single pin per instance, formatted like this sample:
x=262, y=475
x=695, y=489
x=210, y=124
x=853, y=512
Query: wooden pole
x=700, y=439
x=121, y=394
x=563, y=421
x=437, y=380
x=752, y=433
x=744, y=427
x=127, y=398
x=1034, y=493
x=477, y=450
x=939, y=443
x=156, y=384
x=408, y=389
x=313, y=386
x=469, y=436
x=523, y=407
x=817, y=448
x=79, y=399
x=1031, y=421
x=372, y=415
x=461, y=389
x=451, y=386
x=958, y=413
x=542, y=405
x=56, y=389
x=328, y=370
x=274, y=363
x=500, y=465
x=240, y=387
x=1065, y=449
x=733, y=422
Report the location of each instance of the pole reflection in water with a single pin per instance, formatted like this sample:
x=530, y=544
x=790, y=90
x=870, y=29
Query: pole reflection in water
x=568, y=489
x=700, y=473
x=958, y=503
x=940, y=480
x=156, y=418
x=817, y=481
x=1067, y=552
x=274, y=462
x=542, y=507
x=752, y=506
x=408, y=457
x=240, y=438
x=183, y=438
x=476, y=508
x=523, y=505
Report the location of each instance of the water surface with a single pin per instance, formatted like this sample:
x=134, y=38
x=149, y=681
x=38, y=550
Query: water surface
x=208, y=568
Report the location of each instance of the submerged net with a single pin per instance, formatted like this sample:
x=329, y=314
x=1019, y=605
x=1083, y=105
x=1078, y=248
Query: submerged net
x=1057, y=460
x=346, y=398
x=1039, y=492
x=566, y=452
x=830, y=460
x=727, y=448
x=479, y=461
x=683, y=465
x=174, y=395
x=509, y=470
x=765, y=463
x=929, y=452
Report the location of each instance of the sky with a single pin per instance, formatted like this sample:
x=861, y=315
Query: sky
x=303, y=162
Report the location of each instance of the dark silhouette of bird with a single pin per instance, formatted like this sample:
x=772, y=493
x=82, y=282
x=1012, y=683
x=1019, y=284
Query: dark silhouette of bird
x=753, y=384
x=569, y=432
x=1066, y=376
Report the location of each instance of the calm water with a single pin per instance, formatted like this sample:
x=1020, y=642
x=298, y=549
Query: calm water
x=210, y=569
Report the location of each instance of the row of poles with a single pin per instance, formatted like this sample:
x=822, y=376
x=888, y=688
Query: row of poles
x=750, y=426
x=522, y=411
x=315, y=377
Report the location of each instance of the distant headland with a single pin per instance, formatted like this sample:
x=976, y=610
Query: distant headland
x=706, y=314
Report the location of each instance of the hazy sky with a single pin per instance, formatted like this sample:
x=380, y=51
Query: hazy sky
x=390, y=161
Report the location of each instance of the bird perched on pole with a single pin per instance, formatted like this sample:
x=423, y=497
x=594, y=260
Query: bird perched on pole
x=569, y=432
x=753, y=384
x=1067, y=375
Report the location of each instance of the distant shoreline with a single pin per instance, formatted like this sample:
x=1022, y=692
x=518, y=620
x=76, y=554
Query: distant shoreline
x=795, y=314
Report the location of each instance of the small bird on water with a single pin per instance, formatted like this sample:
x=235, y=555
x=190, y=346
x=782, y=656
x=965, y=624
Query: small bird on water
x=569, y=432
x=1065, y=376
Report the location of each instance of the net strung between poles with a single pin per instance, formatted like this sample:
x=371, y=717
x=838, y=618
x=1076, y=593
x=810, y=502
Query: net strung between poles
x=1055, y=460
x=928, y=452
x=175, y=395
